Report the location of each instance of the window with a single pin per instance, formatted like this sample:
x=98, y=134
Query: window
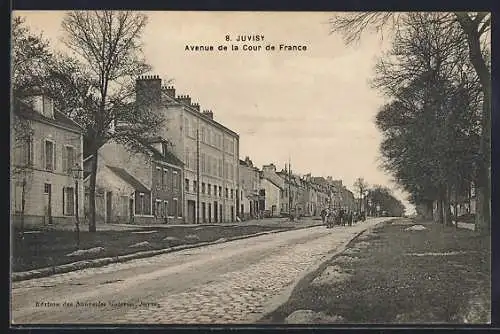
x=186, y=184
x=194, y=130
x=209, y=188
x=220, y=191
x=232, y=193
x=176, y=208
x=25, y=153
x=164, y=178
x=159, y=176
x=209, y=165
x=227, y=193
x=195, y=186
x=203, y=139
x=187, y=159
x=68, y=158
x=203, y=188
x=124, y=206
x=46, y=188
x=165, y=208
x=203, y=163
x=18, y=196
x=186, y=126
x=49, y=155
x=172, y=208
x=68, y=201
x=215, y=190
x=157, y=208
x=179, y=208
x=220, y=167
x=143, y=204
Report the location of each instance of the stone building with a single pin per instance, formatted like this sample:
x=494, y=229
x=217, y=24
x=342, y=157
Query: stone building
x=209, y=151
x=43, y=160
x=138, y=187
x=249, y=182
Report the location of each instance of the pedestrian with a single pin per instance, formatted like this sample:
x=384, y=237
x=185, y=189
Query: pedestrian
x=349, y=218
x=323, y=216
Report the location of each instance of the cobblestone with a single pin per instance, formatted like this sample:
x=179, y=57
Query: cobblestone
x=239, y=295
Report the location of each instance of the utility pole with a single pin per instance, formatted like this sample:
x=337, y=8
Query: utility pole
x=197, y=176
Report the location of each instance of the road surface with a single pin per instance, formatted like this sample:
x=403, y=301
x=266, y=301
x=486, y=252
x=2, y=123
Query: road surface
x=233, y=282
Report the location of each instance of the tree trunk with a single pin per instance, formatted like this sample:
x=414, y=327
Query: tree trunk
x=483, y=190
x=23, y=205
x=92, y=186
x=447, y=209
x=439, y=211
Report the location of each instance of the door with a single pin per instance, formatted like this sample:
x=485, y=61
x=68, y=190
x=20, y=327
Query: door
x=209, y=213
x=220, y=213
x=108, y=206
x=191, y=212
x=216, y=212
x=232, y=213
x=131, y=210
x=48, y=203
x=203, y=212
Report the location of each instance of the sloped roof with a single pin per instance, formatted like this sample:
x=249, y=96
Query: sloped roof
x=125, y=176
x=24, y=110
x=277, y=185
x=168, y=157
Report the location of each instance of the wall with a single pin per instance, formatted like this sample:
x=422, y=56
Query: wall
x=36, y=200
x=272, y=196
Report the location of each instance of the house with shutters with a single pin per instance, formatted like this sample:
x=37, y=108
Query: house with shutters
x=137, y=187
x=43, y=155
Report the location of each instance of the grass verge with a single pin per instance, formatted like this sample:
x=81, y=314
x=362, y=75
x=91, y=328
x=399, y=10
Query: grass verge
x=390, y=275
x=50, y=248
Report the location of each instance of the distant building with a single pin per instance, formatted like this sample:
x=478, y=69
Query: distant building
x=249, y=181
x=270, y=193
x=44, y=159
x=207, y=148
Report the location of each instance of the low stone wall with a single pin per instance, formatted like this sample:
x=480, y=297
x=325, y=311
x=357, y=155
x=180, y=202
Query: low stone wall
x=31, y=221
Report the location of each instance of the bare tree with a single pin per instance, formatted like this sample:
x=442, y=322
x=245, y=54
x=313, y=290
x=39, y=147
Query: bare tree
x=97, y=85
x=476, y=27
x=362, y=187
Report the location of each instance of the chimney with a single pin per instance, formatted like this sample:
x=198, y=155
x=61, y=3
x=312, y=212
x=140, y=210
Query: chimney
x=196, y=106
x=148, y=91
x=186, y=99
x=40, y=101
x=208, y=113
x=170, y=91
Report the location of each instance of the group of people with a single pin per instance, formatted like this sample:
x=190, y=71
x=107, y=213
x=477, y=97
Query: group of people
x=331, y=217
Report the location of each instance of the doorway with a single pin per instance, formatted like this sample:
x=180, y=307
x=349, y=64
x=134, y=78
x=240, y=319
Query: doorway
x=203, y=212
x=191, y=208
x=108, y=206
x=131, y=210
x=216, y=212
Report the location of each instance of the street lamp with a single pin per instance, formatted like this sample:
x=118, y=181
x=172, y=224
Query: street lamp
x=76, y=171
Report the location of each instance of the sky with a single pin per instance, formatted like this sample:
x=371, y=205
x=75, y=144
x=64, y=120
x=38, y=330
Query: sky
x=314, y=107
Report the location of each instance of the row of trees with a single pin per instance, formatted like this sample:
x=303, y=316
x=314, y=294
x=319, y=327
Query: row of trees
x=93, y=82
x=436, y=124
x=378, y=199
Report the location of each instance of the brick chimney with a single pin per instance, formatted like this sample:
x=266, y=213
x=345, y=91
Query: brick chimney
x=196, y=106
x=148, y=90
x=170, y=91
x=186, y=99
x=208, y=113
x=39, y=99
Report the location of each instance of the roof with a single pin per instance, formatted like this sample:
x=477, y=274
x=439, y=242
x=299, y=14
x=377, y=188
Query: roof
x=24, y=110
x=201, y=115
x=125, y=176
x=277, y=185
x=168, y=157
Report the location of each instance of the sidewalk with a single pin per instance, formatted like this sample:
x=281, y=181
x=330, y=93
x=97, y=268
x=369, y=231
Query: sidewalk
x=393, y=275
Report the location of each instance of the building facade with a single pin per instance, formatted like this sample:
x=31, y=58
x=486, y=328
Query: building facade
x=209, y=151
x=42, y=162
x=249, y=182
x=138, y=187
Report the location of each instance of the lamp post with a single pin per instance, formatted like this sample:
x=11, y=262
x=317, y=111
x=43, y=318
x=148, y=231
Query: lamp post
x=76, y=176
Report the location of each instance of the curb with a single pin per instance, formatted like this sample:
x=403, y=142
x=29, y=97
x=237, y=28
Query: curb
x=282, y=298
x=84, y=264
